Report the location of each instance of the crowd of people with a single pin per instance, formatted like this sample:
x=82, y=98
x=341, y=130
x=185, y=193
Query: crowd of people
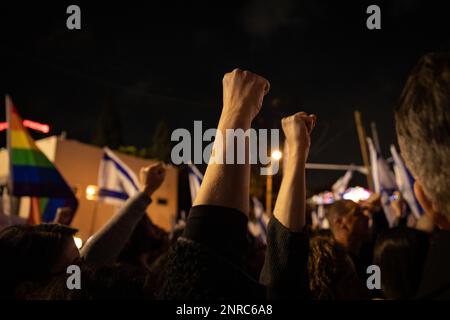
x=213, y=257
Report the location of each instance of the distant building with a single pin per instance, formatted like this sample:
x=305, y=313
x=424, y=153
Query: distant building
x=79, y=163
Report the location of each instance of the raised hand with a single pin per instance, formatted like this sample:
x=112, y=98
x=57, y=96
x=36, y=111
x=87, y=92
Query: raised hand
x=290, y=205
x=152, y=177
x=297, y=129
x=243, y=94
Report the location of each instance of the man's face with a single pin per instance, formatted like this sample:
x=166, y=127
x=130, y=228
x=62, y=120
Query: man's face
x=352, y=227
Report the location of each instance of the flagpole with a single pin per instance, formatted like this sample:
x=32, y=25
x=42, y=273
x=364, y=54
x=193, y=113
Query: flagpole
x=363, y=146
x=94, y=218
x=269, y=191
x=8, y=148
x=376, y=141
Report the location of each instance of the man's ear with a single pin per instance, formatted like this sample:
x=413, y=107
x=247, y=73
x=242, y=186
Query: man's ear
x=422, y=198
x=430, y=209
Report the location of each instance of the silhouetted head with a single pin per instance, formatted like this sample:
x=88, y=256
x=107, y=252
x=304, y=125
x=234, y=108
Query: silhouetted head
x=35, y=252
x=145, y=245
x=401, y=253
x=348, y=224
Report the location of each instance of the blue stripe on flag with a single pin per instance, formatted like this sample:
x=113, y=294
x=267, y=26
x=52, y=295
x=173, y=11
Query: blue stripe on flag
x=113, y=194
x=191, y=171
x=32, y=174
x=106, y=157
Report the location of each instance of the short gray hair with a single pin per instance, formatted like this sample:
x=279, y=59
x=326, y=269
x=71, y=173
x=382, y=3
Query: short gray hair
x=423, y=127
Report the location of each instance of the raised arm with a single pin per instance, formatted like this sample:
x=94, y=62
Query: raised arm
x=105, y=246
x=290, y=206
x=207, y=260
x=285, y=268
x=224, y=184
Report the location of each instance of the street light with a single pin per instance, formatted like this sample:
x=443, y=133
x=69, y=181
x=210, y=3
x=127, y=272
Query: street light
x=276, y=156
x=92, y=195
x=91, y=192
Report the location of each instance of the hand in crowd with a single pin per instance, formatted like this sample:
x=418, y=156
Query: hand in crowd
x=397, y=204
x=372, y=204
x=243, y=94
x=297, y=129
x=152, y=177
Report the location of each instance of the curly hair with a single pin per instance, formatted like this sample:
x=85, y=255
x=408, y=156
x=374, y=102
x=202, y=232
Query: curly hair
x=324, y=262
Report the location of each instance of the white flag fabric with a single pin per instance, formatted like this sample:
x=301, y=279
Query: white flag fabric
x=321, y=218
x=258, y=228
x=341, y=184
x=405, y=183
x=116, y=181
x=195, y=180
x=383, y=180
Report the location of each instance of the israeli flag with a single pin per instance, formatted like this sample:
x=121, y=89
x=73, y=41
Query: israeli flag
x=116, y=181
x=384, y=181
x=341, y=184
x=405, y=183
x=258, y=228
x=195, y=180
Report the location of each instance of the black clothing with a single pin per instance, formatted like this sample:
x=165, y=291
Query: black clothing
x=436, y=277
x=207, y=262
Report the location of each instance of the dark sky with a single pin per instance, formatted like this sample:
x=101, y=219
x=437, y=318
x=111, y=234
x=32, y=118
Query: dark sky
x=165, y=61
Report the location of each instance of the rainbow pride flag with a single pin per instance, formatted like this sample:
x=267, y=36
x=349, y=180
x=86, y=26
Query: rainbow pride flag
x=31, y=172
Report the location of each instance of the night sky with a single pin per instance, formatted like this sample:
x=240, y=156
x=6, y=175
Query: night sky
x=165, y=62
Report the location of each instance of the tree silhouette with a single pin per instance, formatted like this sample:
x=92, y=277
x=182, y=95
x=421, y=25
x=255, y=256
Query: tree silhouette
x=160, y=147
x=108, y=131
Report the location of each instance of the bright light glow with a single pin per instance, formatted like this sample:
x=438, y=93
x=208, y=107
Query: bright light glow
x=323, y=198
x=91, y=192
x=44, y=128
x=276, y=155
x=78, y=242
x=356, y=194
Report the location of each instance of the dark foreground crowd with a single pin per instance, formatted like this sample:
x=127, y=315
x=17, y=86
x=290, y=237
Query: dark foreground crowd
x=214, y=257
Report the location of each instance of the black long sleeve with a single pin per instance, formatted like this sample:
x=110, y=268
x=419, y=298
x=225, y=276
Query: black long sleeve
x=435, y=282
x=285, y=272
x=207, y=261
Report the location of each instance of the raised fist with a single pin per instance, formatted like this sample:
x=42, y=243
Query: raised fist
x=297, y=129
x=243, y=94
x=152, y=177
